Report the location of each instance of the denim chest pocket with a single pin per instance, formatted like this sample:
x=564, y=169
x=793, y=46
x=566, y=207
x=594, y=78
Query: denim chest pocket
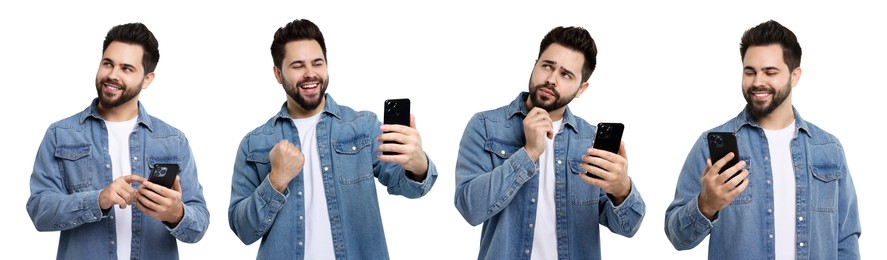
x=260, y=160
x=353, y=161
x=824, y=187
x=746, y=196
x=76, y=165
x=502, y=150
x=581, y=193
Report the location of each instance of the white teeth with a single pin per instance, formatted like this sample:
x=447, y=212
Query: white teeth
x=310, y=86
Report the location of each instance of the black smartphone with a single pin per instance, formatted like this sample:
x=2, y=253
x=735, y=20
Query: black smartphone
x=164, y=174
x=719, y=145
x=607, y=138
x=397, y=111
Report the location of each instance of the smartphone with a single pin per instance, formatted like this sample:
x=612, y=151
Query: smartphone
x=397, y=111
x=607, y=138
x=164, y=174
x=719, y=145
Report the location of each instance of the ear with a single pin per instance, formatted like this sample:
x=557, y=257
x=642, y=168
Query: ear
x=147, y=80
x=796, y=76
x=277, y=75
x=582, y=88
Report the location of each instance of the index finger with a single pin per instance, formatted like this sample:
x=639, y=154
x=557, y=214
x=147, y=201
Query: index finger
x=132, y=178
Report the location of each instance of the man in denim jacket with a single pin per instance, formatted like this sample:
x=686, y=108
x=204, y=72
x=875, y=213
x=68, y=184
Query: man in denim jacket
x=525, y=170
x=89, y=167
x=303, y=181
x=793, y=197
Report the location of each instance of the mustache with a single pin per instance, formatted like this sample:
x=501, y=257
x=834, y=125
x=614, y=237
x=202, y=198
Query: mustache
x=315, y=78
x=759, y=89
x=111, y=81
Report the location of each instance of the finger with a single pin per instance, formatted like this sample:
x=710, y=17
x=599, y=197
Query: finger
x=590, y=180
x=599, y=172
x=132, y=178
x=600, y=162
x=717, y=166
x=622, y=150
x=146, y=203
x=413, y=121
x=741, y=187
x=707, y=167
x=176, y=186
x=728, y=173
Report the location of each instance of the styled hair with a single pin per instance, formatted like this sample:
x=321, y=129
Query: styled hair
x=575, y=38
x=136, y=33
x=771, y=32
x=299, y=29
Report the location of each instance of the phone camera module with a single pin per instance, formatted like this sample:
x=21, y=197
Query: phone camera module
x=606, y=131
x=717, y=140
x=162, y=171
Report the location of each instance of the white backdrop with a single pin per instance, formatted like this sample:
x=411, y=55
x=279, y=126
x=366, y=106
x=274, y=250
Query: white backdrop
x=668, y=71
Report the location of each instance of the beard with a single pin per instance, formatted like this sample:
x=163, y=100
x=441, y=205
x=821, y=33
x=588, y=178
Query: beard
x=548, y=103
x=107, y=101
x=759, y=110
x=307, y=103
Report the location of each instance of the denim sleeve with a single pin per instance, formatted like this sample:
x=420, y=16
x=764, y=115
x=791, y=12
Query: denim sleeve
x=394, y=176
x=482, y=188
x=626, y=218
x=849, y=228
x=51, y=206
x=254, y=202
x=685, y=225
x=195, y=222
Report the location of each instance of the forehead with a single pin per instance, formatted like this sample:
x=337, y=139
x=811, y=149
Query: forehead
x=568, y=58
x=302, y=50
x=763, y=56
x=120, y=52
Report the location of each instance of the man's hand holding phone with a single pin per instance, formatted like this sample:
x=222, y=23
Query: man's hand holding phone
x=403, y=145
x=720, y=184
x=611, y=170
x=162, y=203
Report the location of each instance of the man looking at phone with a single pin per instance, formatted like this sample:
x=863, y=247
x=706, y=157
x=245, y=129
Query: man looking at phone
x=525, y=169
x=303, y=181
x=91, y=167
x=793, y=196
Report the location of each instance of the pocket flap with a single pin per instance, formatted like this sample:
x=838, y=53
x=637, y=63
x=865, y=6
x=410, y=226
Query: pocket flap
x=826, y=173
x=352, y=145
x=502, y=149
x=73, y=152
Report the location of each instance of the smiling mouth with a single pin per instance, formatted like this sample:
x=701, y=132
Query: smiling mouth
x=309, y=85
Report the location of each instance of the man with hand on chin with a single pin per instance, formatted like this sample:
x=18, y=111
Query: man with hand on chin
x=88, y=164
x=524, y=170
x=303, y=181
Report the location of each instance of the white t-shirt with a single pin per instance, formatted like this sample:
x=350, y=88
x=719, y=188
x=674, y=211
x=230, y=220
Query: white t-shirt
x=318, y=233
x=545, y=229
x=118, y=148
x=784, y=188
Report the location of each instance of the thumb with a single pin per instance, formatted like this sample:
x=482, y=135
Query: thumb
x=176, y=185
x=413, y=121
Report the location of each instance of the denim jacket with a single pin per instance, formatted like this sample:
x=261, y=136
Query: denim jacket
x=827, y=222
x=496, y=185
x=73, y=166
x=348, y=158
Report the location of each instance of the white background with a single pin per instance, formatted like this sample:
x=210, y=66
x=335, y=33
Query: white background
x=667, y=70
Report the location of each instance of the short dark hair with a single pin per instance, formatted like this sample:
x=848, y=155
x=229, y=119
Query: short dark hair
x=575, y=38
x=136, y=33
x=771, y=32
x=299, y=29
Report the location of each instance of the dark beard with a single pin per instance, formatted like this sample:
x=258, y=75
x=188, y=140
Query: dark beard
x=293, y=92
x=757, y=113
x=556, y=104
x=125, y=96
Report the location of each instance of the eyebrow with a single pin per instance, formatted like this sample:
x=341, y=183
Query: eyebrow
x=765, y=68
x=551, y=62
x=303, y=62
x=121, y=64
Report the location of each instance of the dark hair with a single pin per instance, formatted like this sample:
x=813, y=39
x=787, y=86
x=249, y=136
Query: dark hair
x=299, y=29
x=575, y=38
x=771, y=32
x=136, y=33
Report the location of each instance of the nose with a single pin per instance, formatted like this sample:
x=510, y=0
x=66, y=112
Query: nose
x=551, y=78
x=758, y=80
x=309, y=72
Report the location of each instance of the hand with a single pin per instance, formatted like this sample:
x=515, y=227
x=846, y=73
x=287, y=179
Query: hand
x=406, y=144
x=717, y=192
x=286, y=163
x=119, y=192
x=537, y=127
x=612, y=170
x=162, y=203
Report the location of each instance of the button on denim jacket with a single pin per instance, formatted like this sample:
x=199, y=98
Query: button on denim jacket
x=348, y=152
x=73, y=166
x=496, y=185
x=827, y=221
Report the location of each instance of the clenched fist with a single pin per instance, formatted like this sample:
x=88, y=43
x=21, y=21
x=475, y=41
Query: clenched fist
x=286, y=163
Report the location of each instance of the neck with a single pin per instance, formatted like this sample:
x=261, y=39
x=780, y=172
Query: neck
x=779, y=118
x=123, y=112
x=296, y=111
x=555, y=115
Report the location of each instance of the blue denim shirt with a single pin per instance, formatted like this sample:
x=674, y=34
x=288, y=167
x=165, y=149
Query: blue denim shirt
x=827, y=222
x=496, y=185
x=73, y=166
x=348, y=158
